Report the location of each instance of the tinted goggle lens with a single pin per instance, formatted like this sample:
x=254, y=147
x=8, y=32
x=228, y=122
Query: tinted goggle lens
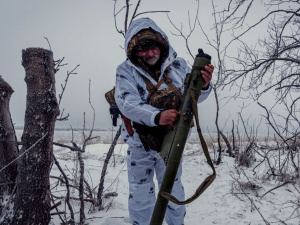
x=145, y=46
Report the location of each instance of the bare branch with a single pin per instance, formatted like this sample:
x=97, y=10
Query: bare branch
x=27, y=150
x=115, y=18
x=48, y=43
x=285, y=183
x=72, y=221
x=135, y=10
x=66, y=82
x=75, y=148
x=252, y=202
x=150, y=12
x=126, y=16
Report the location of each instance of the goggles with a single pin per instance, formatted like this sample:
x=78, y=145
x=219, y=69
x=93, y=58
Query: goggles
x=146, y=46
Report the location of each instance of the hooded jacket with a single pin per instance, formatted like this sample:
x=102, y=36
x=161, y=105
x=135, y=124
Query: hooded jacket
x=130, y=89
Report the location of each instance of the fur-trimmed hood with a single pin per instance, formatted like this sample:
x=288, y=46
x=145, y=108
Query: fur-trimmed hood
x=142, y=29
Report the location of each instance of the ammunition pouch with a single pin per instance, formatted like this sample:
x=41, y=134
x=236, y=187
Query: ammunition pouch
x=168, y=98
x=110, y=97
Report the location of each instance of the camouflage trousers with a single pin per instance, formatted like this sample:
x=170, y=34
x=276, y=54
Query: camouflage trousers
x=141, y=167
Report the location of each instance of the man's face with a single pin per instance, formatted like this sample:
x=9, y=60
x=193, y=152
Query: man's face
x=149, y=54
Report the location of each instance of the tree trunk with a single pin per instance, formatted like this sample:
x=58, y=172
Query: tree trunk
x=32, y=198
x=8, y=147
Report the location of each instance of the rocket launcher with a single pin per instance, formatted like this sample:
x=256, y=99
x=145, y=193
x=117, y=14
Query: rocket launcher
x=174, y=141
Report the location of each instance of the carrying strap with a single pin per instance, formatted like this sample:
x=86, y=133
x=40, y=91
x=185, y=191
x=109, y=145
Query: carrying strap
x=208, y=180
x=151, y=88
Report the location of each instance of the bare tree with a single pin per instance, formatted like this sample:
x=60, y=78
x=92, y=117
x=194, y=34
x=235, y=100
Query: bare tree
x=8, y=147
x=269, y=66
x=274, y=62
x=31, y=202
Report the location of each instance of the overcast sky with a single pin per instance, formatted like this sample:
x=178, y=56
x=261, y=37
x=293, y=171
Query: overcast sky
x=84, y=33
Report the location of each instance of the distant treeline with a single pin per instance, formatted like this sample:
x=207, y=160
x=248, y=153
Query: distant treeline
x=66, y=129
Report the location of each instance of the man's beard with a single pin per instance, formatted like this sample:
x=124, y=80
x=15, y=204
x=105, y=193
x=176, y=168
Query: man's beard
x=151, y=61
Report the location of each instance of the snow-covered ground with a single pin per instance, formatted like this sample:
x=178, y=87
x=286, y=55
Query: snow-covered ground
x=235, y=197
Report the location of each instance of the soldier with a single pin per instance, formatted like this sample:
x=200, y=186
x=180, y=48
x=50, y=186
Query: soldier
x=148, y=91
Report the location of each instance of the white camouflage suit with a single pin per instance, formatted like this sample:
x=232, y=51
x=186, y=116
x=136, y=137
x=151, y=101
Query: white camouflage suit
x=131, y=96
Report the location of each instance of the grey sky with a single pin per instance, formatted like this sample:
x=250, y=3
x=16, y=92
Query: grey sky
x=84, y=33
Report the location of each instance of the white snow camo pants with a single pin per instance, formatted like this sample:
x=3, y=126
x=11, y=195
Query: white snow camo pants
x=141, y=166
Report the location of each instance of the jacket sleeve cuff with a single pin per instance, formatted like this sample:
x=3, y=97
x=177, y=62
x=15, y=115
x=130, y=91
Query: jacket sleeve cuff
x=157, y=118
x=204, y=94
x=207, y=89
x=153, y=116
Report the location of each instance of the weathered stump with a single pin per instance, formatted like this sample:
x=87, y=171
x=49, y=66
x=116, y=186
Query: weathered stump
x=32, y=198
x=8, y=147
